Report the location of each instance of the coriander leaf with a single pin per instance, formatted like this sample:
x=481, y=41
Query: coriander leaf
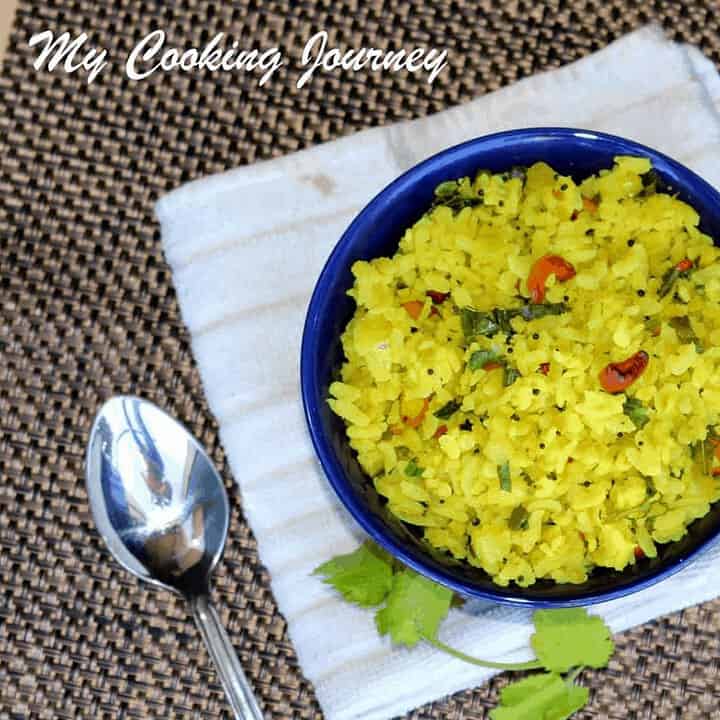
x=363, y=577
x=413, y=470
x=518, y=691
x=650, y=181
x=504, y=475
x=481, y=358
x=446, y=189
x=652, y=325
x=477, y=322
x=518, y=518
x=574, y=699
x=685, y=332
x=414, y=610
x=637, y=412
x=503, y=318
x=543, y=696
x=682, y=327
x=570, y=637
x=510, y=375
x=447, y=410
x=456, y=195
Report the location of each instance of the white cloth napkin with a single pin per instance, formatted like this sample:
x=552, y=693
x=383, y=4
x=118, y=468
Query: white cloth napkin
x=246, y=247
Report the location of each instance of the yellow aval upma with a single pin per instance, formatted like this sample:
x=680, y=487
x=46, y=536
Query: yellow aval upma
x=532, y=377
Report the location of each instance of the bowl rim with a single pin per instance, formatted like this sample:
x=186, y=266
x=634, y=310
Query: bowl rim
x=331, y=467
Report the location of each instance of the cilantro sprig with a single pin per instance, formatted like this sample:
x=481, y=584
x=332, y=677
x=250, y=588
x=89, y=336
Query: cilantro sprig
x=410, y=608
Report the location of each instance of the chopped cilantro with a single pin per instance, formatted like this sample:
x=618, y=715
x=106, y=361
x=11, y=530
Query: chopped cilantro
x=456, y=195
x=685, y=332
x=504, y=475
x=413, y=470
x=637, y=412
x=519, y=518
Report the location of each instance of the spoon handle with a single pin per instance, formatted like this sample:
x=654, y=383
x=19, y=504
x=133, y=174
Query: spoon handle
x=237, y=688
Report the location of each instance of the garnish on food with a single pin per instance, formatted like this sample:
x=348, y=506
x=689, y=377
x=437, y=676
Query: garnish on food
x=637, y=412
x=483, y=358
x=512, y=380
x=504, y=476
x=477, y=323
x=683, y=269
x=542, y=269
x=619, y=376
x=416, y=420
x=447, y=410
x=410, y=608
x=456, y=195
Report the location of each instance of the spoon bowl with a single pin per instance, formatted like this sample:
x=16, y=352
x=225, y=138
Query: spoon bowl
x=161, y=507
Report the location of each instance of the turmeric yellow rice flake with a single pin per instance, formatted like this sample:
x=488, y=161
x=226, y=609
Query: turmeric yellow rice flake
x=532, y=377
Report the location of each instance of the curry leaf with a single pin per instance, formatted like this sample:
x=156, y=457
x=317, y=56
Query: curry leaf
x=477, y=322
x=447, y=410
x=510, y=375
x=480, y=358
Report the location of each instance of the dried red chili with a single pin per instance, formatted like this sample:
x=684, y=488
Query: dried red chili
x=544, y=368
x=715, y=442
x=416, y=421
x=437, y=297
x=639, y=552
x=590, y=205
x=685, y=265
x=414, y=308
x=442, y=429
x=492, y=365
x=542, y=269
x=617, y=377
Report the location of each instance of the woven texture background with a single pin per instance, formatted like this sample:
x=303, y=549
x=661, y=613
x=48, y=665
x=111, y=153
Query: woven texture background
x=88, y=310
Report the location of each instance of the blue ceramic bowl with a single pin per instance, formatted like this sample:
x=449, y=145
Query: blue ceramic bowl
x=376, y=232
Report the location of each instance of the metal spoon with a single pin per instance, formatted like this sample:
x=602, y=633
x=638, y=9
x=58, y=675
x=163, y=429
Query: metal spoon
x=162, y=509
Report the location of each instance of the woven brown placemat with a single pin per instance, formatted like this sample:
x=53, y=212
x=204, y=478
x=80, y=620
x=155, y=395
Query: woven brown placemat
x=87, y=310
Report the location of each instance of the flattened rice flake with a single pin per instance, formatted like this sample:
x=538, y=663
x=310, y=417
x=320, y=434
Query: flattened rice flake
x=525, y=466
